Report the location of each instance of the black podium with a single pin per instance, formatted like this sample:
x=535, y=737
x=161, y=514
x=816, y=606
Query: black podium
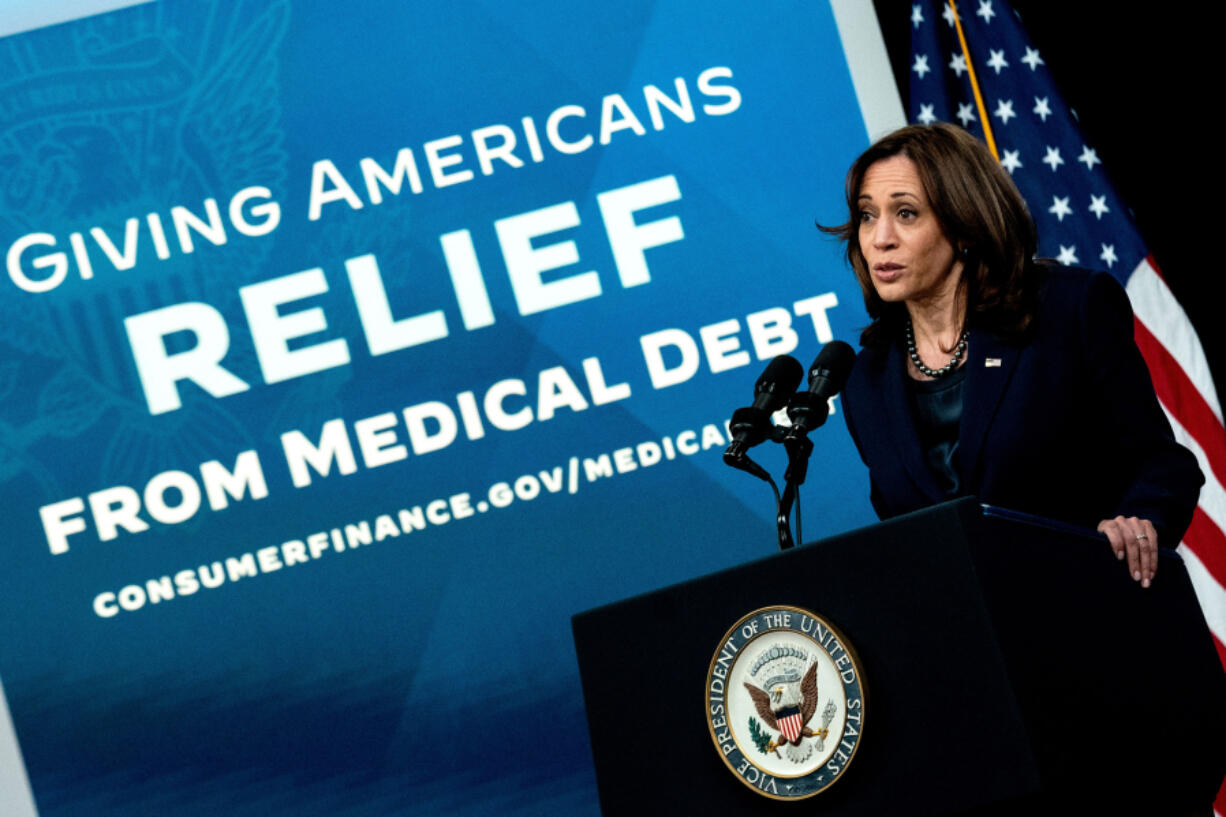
x=1011, y=667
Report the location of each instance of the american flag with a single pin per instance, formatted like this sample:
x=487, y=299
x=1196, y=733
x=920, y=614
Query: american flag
x=972, y=64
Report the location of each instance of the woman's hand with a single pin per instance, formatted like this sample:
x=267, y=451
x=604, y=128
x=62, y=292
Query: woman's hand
x=1137, y=540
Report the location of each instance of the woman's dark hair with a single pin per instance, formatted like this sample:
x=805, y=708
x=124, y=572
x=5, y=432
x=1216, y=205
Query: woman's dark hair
x=981, y=213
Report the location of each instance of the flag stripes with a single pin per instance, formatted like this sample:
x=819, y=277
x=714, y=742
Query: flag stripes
x=1155, y=305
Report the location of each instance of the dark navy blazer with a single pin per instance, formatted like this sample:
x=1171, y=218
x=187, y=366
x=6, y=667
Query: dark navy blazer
x=1064, y=424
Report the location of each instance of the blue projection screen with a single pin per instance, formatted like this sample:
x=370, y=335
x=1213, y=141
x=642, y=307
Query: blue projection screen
x=350, y=348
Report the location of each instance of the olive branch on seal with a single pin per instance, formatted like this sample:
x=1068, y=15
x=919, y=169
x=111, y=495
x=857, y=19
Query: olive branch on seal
x=760, y=738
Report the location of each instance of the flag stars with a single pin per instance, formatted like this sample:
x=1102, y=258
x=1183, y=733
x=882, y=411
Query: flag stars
x=948, y=14
x=966, y=114
x=1004, y=111
x=986, y=11
x=958, y=64
x=917, y=16
x=997, y=61
x=921, y=65
x=1107, y=256
x=1053, y=158
x=1010, y=161
x=926, y=116
x=1041, y=108
x=1059, y=208
x=1098, y=206
x=1089, y=156
x=1032, y=57
x=1067, y=256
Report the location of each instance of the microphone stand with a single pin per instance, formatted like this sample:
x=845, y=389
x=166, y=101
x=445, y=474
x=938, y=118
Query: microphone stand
x=804, y=409
x=736, y=457
x=799, y=447
x=807, y=411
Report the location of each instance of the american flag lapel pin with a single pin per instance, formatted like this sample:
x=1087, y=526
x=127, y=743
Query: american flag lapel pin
x=991, y=362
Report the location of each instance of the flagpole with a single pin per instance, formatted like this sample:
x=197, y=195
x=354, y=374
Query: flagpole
x=970, y=69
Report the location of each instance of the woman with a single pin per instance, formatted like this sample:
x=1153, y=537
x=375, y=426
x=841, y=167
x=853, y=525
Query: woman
x=985, y=373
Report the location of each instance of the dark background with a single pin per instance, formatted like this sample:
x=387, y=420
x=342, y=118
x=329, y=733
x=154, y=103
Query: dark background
x=1140, y=84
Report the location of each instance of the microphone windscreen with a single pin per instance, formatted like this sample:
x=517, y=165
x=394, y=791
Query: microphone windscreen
x=778, y=382
x=832, y=368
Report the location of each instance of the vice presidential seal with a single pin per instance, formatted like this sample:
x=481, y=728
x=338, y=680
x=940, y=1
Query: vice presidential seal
x=785, y=702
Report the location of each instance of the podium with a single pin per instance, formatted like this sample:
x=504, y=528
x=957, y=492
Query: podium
x=1010, y=666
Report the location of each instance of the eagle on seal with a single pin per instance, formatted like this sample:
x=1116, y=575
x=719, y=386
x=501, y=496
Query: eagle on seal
x=787, y=709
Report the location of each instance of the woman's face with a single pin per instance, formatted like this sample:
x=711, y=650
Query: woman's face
x=908, y=256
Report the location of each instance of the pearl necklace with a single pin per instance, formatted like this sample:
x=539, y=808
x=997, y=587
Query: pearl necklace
x=959, y=351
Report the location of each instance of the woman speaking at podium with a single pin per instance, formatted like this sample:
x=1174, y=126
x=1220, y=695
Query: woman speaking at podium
x=987, y=373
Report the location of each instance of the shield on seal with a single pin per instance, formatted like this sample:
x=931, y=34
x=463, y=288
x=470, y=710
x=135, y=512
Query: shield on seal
x=790, y=726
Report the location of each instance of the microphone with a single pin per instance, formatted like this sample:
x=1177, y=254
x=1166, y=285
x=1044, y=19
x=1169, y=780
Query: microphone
x=751, y=425
x=827, y=376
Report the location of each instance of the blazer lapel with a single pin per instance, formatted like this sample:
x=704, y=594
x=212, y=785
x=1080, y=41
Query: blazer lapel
x=902, y=425
x=990, y=364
